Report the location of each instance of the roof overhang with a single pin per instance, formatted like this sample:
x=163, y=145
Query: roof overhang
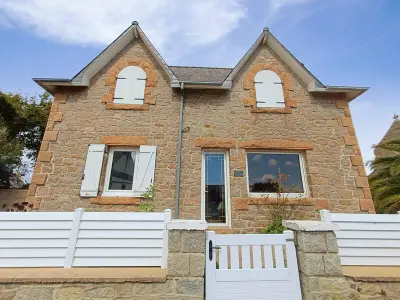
x=269, y=39
x=349, y=92
x=312, y=82
x=83, y=77
x=50, y=84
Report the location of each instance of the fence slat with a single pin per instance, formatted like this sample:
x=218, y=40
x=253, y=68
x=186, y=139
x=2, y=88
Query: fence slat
x=246, y=257
x=367, y=239
x=223, y=257
x=257, y=262
x=73, y=238
x=234, y=257
x=279, y=261
x=268, y=259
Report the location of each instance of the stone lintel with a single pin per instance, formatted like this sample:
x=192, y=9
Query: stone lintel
x=187, y=225
x=310, y=226
x=81, y=275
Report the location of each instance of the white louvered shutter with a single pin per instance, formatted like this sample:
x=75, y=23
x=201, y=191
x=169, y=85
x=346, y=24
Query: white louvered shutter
x=131, y=82
x=92, y=171
x=146, y=168
x=269, y=90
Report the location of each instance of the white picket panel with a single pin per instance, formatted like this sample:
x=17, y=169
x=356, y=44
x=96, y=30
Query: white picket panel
x=77, y=239
x=366, y=239
x=253, y=272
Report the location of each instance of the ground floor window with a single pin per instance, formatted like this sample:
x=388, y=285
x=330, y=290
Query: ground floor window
x=269, y=172
x=120, y=173
x=215, y=207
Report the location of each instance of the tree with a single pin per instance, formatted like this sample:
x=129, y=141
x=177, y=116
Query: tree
x=385, y=178
x=22, y=125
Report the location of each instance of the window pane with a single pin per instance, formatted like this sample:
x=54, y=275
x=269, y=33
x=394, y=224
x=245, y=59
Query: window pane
x=215, y=187
x=265, y=168
x=122, y=169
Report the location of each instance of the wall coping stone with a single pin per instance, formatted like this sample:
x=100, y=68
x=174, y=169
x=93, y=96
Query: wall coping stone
x=82, y=275
x=310, y=225
x=187, y=225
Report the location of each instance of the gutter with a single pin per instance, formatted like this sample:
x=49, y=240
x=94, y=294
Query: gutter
x=178, y=167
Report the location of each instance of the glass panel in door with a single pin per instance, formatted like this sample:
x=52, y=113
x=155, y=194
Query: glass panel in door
x=214, y=189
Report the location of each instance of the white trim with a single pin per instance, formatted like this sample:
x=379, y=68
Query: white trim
x=310, y=225
x=164, y=259
x=187, y=225
x=289, y=195
x=115, y=193
x=227, y=187
x=73, y=238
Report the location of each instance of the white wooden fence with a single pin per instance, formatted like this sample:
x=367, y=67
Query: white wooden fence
x=366, y=239
x=78, y=239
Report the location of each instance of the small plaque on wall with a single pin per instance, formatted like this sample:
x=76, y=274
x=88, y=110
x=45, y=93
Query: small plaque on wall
x=238, y=173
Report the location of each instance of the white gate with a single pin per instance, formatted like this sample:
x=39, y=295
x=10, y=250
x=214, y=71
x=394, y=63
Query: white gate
x=251, y=266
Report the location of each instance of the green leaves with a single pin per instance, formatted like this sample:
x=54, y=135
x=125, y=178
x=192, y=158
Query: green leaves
x=22, y=125
x=385, y=178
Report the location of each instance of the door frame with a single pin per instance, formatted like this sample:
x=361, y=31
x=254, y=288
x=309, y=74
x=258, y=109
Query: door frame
x=227, y=187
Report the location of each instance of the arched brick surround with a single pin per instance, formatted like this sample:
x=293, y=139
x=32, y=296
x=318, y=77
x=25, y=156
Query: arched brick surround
x=287, y=86
x=111, y=82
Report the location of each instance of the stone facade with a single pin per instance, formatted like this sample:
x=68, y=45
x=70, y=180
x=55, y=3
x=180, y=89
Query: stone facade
x=376, y=288
x=318, y=126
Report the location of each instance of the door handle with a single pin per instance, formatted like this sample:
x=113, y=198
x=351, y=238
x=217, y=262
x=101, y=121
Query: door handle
x=211, y=249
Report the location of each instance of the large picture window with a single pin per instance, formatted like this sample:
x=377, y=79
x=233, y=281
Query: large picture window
x=267, y=171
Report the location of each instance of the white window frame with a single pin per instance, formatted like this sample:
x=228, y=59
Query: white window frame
x=289, y=195
x=227, y=187
x=120, y=193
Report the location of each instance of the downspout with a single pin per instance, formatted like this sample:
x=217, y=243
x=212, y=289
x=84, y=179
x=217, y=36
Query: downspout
x=178, y=167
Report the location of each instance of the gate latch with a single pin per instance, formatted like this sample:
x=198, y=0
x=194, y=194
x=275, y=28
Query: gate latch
x=211, y=249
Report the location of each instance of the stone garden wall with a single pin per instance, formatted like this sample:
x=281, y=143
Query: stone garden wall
x=321, y=273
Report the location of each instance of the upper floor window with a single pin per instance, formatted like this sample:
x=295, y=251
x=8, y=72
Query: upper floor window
x=131, y=82
x=269, y=91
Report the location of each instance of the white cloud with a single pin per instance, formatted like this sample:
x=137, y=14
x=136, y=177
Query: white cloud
x=272, y=162
x=99, y=22
x=289, y=163
x=268, y=177
x=256, y=157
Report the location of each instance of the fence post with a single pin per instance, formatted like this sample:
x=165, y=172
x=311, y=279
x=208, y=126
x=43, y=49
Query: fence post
x=292, y=263
x=164, y=259
x=325, y=216
x=73, y=238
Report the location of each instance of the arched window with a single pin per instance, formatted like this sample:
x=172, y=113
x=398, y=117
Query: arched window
x=131, y=82
x=269, y=91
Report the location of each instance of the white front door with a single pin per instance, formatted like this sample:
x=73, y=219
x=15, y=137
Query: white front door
x=215, y=206
x=251, y=266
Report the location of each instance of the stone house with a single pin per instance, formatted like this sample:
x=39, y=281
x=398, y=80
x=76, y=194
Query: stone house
x=212, y=141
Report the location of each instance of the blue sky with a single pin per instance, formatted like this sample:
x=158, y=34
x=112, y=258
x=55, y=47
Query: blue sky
x=343, y=42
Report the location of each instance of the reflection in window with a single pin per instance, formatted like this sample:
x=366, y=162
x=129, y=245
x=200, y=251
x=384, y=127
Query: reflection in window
x=264, y=170
x=122, y=170
x=215, y=187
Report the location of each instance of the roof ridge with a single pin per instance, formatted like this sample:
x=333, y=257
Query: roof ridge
x=200, y=67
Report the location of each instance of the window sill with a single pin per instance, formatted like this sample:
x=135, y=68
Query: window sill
x=284, y=110
x=269, y=201
x=117, y=106
x=82, y=275
x=108, y=200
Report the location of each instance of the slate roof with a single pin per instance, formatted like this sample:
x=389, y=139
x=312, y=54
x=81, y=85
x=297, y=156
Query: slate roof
x=201, y=74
